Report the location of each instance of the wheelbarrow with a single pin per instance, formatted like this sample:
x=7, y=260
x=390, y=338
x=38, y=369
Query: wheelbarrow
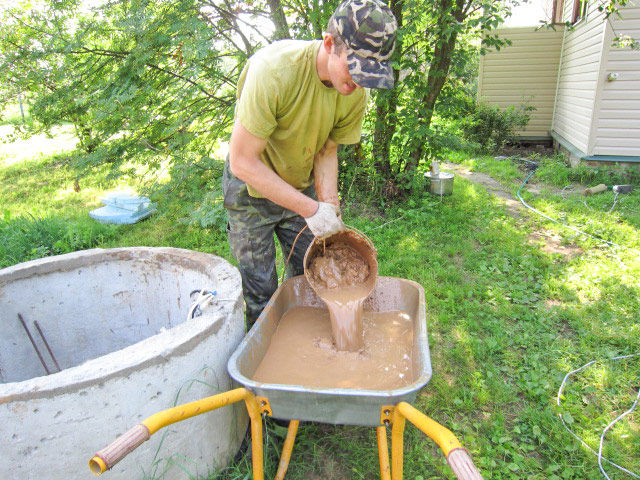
x=375, y=408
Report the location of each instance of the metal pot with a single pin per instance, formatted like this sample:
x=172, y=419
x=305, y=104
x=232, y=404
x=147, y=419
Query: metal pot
x=440, y=184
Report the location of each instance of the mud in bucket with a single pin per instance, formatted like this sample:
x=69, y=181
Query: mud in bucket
x=351, y=239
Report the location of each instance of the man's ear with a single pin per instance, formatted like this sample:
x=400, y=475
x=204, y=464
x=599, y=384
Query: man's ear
x=327, y=42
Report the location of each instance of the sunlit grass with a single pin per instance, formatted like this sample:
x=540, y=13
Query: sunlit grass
x=15, y=149
x=12, y=115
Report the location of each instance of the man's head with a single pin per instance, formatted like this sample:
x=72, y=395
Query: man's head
x=364, y=33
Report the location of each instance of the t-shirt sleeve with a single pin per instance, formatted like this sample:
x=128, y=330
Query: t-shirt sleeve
x=347, y=130
x=257, y=99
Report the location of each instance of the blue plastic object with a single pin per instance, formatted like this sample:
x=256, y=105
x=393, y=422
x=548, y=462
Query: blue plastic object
x=123, y=208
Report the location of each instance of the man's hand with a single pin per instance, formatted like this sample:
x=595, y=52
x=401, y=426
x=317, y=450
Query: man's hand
x=326, y=221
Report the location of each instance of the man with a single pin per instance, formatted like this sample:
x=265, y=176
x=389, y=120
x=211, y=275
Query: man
x=297, y=101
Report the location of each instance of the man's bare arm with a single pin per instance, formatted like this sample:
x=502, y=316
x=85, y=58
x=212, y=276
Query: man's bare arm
x=325, y=171
x=244, y=161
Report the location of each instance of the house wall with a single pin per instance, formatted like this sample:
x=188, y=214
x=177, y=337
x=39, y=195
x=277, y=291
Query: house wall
x=616, y=126
x=580, y=66
x=523, y=73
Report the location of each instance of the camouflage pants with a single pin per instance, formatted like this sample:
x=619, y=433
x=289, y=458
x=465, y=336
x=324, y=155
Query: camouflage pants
x=252, y=223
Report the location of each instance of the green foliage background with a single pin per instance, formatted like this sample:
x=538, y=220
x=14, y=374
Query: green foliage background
x=151, y=82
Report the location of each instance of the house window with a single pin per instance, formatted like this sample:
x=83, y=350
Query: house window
x=556, y=15
x=579, y=10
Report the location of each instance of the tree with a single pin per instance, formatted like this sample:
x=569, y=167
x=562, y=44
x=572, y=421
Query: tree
x=435, y=34
x=153, y=82
x=141, y=80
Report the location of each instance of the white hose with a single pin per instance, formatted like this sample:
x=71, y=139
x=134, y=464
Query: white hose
x=599, y=452
x=204, y=299
x=553, y=219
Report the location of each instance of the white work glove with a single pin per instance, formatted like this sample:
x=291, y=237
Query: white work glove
x=326, y=221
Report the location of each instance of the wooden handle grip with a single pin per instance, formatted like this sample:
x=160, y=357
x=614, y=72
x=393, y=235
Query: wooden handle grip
x=120, y=448
x=462, y=465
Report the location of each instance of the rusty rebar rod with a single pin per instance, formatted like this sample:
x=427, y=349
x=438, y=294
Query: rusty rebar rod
x=44, y=340
x=35, y=347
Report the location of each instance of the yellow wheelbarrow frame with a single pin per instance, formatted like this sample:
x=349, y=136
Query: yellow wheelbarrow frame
x=396, y=416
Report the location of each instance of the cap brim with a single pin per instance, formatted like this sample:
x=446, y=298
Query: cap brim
x=369, y=72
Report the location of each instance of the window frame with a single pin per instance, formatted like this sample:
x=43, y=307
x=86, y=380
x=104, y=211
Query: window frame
x=557, y=12
x=579, y=13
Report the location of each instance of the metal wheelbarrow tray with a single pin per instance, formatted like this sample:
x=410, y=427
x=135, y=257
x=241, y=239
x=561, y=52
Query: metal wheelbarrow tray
x=333, y=405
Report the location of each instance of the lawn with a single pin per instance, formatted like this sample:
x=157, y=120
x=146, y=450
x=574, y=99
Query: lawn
x=514, y=302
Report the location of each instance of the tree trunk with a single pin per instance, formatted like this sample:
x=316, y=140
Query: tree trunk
x=436, y=78
x=279, y=20
x=21, y=108
x=385, y=124
x=386, y=105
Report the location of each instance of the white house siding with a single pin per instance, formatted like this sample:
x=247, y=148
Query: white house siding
x=616, y=129
x=578, y=76
x=523, y=73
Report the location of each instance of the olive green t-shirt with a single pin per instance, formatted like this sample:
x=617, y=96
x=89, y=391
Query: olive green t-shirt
x=281, y=99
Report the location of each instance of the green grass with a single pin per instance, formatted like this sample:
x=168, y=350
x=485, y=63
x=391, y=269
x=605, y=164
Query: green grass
x=507, y=317
x=26, y=238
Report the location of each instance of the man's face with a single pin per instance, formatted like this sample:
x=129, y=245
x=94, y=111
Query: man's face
x=339, y=75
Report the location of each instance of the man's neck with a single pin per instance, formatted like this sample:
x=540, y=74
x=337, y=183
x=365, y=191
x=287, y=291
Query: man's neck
x=322, y=59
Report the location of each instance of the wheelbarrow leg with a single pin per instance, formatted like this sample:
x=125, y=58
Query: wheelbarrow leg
x=383, y=453
x=256, y=436
x=287, y=449
x=397, y=445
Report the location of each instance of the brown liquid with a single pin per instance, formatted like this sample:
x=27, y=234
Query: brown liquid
x=339, y=277
x=345, y=311
x=302, y=352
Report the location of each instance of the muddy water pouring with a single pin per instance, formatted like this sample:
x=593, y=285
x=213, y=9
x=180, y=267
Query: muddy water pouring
x=342, y=269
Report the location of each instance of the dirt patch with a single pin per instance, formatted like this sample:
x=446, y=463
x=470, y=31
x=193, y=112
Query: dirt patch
x=548, y=242
x=552, y=243
x=331, y=470
x=525, y=150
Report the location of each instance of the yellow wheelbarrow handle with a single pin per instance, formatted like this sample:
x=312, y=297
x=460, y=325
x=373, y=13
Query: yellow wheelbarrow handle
x=132, y=439
x=457, y=457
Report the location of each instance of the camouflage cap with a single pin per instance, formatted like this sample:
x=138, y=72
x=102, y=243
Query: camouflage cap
x=368, y=28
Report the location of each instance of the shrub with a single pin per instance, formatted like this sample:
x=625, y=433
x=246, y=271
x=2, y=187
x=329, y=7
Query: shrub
x=492, y=127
